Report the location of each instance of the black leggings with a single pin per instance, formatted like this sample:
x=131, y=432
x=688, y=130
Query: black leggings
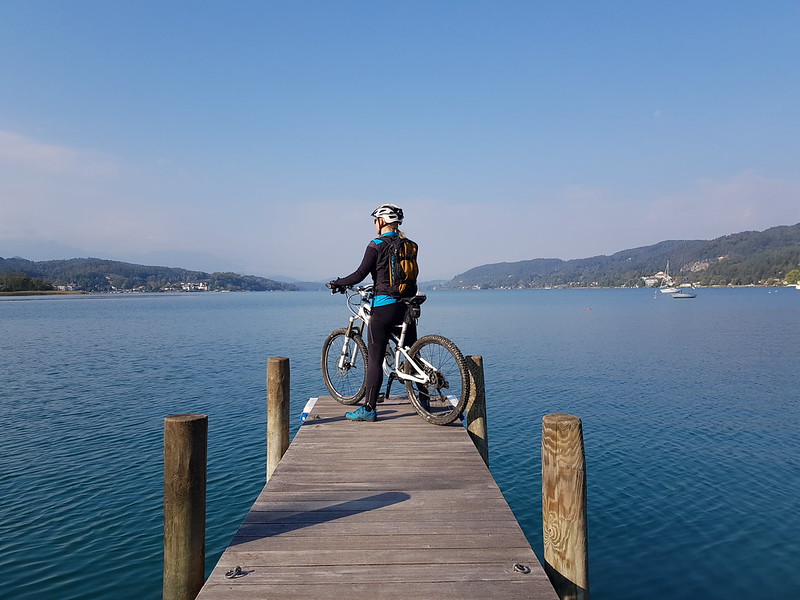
x=381, y=323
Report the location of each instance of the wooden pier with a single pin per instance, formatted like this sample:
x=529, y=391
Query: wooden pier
x=394, y=509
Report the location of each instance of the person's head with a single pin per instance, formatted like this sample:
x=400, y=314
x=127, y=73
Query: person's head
x=387, y=216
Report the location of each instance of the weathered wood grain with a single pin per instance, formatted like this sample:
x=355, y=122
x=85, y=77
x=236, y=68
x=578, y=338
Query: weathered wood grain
x=278, y=382
x=564, y=505
x=185, y=452
x=393, y=509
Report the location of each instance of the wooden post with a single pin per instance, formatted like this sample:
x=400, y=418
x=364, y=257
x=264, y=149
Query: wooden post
x=564, y=506
x=185, y=453
x=476, y=407
x=277, y=411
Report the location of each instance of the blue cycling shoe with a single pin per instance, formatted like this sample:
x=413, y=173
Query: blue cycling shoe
x=362, y=414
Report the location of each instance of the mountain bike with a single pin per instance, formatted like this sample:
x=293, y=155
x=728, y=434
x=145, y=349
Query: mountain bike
x=433, y=369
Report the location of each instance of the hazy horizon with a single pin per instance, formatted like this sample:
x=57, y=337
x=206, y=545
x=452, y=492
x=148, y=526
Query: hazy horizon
x=288, y=278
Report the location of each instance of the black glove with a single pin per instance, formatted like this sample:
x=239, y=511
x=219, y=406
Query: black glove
x=335, y=288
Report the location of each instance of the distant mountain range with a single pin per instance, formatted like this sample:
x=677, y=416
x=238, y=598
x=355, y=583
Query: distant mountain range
x=99, y=275
x=747, y=258
x=750, y=257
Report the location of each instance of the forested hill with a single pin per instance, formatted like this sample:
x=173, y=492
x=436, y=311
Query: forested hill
x=99, y=275
x=751, y=257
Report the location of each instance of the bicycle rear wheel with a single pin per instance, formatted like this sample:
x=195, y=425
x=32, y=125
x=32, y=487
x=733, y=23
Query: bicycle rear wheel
x=443, y=398
x=344, y=368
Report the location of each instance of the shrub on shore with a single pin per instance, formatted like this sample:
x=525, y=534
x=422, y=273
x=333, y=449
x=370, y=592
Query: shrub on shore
x=19, y=282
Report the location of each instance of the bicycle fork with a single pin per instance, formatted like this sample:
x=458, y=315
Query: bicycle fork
x=345, y=360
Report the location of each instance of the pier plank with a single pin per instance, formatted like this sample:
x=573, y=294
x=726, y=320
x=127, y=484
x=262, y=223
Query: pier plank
x=396, y=509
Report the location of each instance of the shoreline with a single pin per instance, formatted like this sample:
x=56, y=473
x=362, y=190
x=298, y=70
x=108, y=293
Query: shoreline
x=434, y=289
x=41, y=293
x=599, y=287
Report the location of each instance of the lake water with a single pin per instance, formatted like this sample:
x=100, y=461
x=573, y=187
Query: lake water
x=689, y=407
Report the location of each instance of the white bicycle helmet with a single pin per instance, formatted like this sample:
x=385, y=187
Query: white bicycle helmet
x=389, y=213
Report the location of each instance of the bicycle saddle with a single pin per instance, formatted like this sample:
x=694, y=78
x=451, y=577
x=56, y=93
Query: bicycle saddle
x=415, y=300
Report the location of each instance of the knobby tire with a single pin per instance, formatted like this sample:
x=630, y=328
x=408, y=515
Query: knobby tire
x=451, y=377
x=349, y=384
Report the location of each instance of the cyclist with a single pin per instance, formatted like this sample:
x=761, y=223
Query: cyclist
x=387, y=311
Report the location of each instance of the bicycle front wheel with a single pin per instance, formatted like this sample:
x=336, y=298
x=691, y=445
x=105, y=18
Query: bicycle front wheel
x=344, y=366
x=442, y=399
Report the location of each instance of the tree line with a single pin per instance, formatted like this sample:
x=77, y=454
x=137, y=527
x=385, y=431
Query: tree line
x=19, y=282
x=100, y=275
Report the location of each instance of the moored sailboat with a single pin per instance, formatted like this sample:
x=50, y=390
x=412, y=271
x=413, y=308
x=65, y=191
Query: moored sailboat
x=667, y=285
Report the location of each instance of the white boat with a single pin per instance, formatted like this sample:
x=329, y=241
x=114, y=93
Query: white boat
x=666, y=283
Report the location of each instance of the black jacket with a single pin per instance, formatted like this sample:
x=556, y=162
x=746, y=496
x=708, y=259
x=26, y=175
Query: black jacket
x=375, y=263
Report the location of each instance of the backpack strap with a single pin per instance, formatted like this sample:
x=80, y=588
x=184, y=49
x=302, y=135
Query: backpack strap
x=385, y=239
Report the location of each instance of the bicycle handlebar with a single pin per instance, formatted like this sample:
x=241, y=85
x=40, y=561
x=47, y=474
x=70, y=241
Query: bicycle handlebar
x=363, y=290
x=336, y=289
x=356, y=295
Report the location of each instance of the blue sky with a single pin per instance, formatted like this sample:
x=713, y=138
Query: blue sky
x=258, y=136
